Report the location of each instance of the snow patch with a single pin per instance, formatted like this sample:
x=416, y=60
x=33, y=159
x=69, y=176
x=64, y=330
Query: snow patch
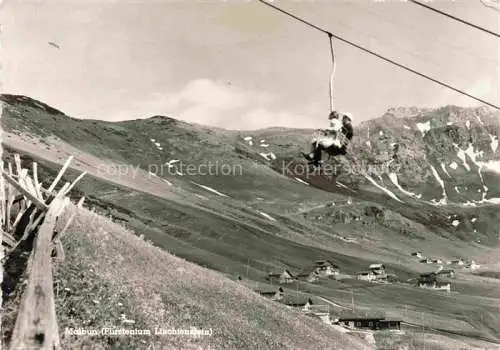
x=248, y=138
x=449, y=123
x=394, y=179
x=265, y=145
x=266, y=215
x=250, y=143
x=170, y=163
x=381, y=133
x=152, y=140
x=473, y=220
x=473, y=156
x=406, y=127
x=462, y=157
x=262, y=141
x=467, y=124
x=340, y=184
x=455, y=223
x=210, y=189
x=493, y=143
x=168, y=182
x=392, y=195
x=368, y=143
x=301, y=181
x=443, y=166
x=268, y=156
x=424, y=127
x=157, y=144
x=456, y=189
x=454, y=165
x=441, y=182
x=491, y=201
x=479, y=119
x=492, y=165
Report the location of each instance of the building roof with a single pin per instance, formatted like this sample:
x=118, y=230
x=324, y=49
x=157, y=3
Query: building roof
x=325, y=263
x=295, y=300
x=359, y=318
x=376, y=266
x=269, y=291
x=391, y=320
x=429, y=274
x=308, y=274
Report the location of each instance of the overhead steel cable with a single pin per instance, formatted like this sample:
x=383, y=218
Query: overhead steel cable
x=454, y=18
x=379, y=56
x=420, y=31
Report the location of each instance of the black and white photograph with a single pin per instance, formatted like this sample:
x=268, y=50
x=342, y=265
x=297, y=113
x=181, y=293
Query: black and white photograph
x=250, y=174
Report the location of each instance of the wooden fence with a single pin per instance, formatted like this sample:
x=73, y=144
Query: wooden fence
x=29, y=211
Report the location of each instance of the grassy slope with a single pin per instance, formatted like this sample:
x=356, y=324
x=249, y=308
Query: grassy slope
x=227, y=234
x=109, y=271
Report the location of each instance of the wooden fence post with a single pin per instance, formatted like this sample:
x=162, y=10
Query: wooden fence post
x=36, y=324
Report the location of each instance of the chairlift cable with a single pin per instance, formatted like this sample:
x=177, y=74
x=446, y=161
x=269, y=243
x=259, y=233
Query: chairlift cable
x=388, y=60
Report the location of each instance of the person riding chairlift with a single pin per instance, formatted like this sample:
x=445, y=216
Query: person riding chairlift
x=334, y=140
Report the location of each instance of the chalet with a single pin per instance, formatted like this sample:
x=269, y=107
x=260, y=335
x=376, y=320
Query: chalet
x=297, y=302
x=284, y=277
x=435, y=285
x=418, y=255
x=378, y=270
x=372, y=323
x=458, y=262
x=446, y=273
x=273, y=295
x=392, y=278
x=366, y=276
x=390, y=324
x=326, y=268
x=376, y=267
x=310, y=277
x=426, y=261
x=427, y=278
x=472, y=265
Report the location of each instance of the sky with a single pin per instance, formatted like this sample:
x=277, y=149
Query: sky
x=238, y=64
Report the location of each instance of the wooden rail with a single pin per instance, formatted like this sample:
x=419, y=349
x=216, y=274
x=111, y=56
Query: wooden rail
x=36, y=324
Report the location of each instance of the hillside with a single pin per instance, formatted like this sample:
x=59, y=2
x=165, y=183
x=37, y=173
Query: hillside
x=112, y=279
x=260, y=218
